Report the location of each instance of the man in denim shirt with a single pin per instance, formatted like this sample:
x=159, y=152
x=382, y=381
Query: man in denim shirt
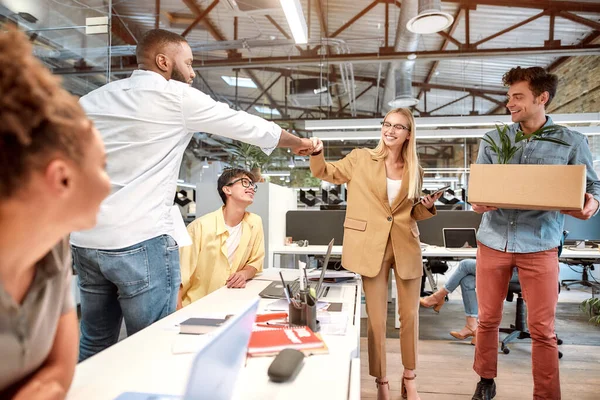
x=526, y=239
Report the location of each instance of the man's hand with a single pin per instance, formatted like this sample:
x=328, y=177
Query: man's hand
x=304, y=148
x=482, y=209
x=318, y=144
x=237, y=280
x=36, y=390
x=589, y=208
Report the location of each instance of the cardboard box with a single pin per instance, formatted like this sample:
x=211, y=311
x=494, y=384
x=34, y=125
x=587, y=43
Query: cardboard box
x=528, y=186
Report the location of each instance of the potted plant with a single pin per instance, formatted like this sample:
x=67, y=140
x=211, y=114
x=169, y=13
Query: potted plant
x=528, y=186
x=506, y=150
x=591, y=307
x=251, y=157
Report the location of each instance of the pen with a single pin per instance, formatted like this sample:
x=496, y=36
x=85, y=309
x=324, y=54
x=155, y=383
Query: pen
x=285, y=288
x=306, y=278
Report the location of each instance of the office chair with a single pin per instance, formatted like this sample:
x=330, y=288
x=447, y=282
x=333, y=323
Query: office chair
x=519, y=329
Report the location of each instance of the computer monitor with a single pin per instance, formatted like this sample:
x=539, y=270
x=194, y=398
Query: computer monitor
x=431, y=229
x=588, y=230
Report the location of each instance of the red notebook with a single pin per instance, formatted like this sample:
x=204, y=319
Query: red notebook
x=267, y=341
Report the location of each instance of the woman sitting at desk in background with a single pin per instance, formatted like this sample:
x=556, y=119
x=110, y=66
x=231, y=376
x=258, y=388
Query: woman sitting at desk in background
x=52, y=182
x=381, y=233
x=465, y=277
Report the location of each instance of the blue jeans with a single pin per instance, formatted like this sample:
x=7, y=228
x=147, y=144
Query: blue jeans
x=138, y=283
x=465, y=277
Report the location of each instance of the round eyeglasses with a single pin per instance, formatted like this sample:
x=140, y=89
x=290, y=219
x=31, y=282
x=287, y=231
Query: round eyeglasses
x=247, y=183
x=397, y=127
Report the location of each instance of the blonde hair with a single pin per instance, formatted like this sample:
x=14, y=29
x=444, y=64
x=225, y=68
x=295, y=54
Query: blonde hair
x=408, y=153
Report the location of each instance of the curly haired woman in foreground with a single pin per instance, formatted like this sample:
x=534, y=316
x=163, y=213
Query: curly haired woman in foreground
x=52, y=182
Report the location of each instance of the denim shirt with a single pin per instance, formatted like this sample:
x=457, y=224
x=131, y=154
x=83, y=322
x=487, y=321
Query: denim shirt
x=528, y=231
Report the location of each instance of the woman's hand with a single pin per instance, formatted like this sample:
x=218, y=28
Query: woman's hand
x=428, y=201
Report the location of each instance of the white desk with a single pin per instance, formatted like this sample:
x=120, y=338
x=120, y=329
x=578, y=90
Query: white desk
x=429, y=251
x=442, y=252
x=144, y=362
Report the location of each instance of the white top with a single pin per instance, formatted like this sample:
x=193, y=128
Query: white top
x=393, y=188
x=233, y=241
x=146, y=123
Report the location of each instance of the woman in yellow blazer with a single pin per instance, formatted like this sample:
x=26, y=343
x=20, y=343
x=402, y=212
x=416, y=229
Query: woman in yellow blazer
x=381, y=233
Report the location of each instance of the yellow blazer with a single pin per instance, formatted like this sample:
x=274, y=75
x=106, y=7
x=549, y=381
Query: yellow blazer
x=370, y=220
x=204, y=265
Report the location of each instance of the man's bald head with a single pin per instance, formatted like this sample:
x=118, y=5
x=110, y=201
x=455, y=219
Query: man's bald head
x=166, y=53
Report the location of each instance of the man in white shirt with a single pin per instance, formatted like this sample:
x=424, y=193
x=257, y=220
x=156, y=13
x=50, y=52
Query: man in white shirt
x=228, y=246
x=128, y=265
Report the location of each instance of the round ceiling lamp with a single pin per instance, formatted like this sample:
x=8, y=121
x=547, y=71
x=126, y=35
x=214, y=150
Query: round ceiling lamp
x=431, y=18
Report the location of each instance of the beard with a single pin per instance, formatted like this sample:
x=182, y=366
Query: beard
x=177, y=75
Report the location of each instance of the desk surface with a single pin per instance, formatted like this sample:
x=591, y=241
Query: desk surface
x=145, y=361
x=430, y=251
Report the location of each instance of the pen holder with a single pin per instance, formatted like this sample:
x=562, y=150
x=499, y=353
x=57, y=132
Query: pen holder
x=303, y=311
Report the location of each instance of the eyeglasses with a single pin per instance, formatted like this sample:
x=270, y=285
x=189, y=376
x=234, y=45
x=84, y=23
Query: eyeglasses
x=245, y=183
x=397, y=127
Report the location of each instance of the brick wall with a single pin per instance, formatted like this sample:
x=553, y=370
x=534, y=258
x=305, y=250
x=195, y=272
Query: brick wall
x=578, y=86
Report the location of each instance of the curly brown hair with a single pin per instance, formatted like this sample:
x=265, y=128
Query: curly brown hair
x=38, y=118
x=539, y=80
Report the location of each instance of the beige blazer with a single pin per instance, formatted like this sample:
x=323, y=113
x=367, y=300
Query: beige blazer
x=370, y=220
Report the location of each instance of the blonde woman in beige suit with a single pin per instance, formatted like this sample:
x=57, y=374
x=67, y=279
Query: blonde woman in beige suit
x=381, y=233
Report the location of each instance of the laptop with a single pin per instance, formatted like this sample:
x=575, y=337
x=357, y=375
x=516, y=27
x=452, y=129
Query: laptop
x=275, y=288
x=217, y=365
x=460, y=238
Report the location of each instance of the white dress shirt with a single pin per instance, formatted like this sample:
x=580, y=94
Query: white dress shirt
x=146, y=123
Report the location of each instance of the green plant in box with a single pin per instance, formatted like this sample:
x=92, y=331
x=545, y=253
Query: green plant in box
x=505, y=150
x=591, y=307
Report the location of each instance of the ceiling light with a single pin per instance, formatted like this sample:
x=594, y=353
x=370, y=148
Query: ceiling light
x=292, y=163
x=430, y=18
x=241, y=82
x=295, y=18
x=438, y=122
x=205, y=163
x=266, y=110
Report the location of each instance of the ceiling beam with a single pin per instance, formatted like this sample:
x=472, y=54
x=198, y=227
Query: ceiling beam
x=510, y=28
x=354, y=19
x=212, y=29
x=157, y=14
x=576, y=18
x=357, y=97
x=265, y=90
x=272, y=102
x=449, y=104
x=558, y=62
x=577, y=6
x=457, y=17
x=120, y=29
x=199, y=18
x=280, y=29
x=362, y=58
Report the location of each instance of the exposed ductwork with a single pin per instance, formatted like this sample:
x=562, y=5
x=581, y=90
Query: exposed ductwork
x=431, y=18
x=398, y=82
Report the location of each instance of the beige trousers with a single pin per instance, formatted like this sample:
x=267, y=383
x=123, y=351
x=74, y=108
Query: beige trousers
x=408, y=307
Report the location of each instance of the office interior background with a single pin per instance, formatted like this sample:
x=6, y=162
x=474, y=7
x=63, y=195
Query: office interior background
x=337, y=81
